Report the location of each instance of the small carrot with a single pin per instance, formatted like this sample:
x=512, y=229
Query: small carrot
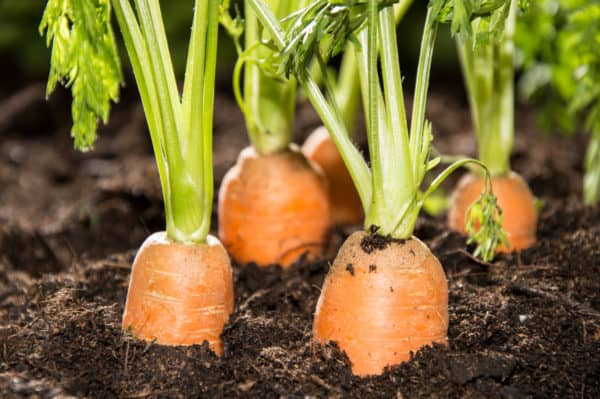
x=381, y=304
x=273, y=208
x=487, y=61
x=346, y=208
x=179, y=294
x=519, y=213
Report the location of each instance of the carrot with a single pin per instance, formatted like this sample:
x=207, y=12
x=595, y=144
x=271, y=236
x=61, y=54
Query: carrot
x=181, y=289
x=273, y=208
x=386, y=294
x=487, y=60
x=179, y=294
x=398, y=303
x=519, y=213
x=346, y=208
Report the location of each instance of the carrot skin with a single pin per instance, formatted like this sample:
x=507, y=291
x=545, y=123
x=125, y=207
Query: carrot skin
x=382, y=305
x=519, y=212
x=274, y=208
x=179, y=294
x=346, y=207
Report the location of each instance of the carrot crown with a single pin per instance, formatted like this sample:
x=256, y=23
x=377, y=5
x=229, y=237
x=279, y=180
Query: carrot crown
x=400, y=156
x=180, y=128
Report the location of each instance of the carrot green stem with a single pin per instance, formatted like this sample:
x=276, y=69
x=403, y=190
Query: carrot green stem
x=181, y=131
x=488, y=70
x=390, y=189
x=269, y=99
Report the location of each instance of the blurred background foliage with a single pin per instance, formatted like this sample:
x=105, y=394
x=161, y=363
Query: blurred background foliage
x=22, y=46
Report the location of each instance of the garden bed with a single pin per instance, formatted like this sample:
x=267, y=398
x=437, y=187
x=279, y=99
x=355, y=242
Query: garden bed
x=527, y=325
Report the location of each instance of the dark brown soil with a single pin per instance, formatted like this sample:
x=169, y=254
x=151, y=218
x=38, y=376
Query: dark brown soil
x=527, y=325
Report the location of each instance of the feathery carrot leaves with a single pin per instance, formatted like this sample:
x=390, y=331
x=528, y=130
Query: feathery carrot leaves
x=84, y=58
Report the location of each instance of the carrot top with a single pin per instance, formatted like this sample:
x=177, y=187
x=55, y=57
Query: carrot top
x=181, y=129
x=390, y=190
x=484, y=33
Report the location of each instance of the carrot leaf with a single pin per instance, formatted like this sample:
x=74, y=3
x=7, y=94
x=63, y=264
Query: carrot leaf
x=84, y=57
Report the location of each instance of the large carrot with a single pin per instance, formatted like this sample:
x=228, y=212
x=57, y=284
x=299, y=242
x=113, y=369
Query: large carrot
x=273, y=208
x=273, y=204
x=398, y=302
x=519, y=212
x=346, y=208
x=488, y=70
x=386, y=294
x=181, y=289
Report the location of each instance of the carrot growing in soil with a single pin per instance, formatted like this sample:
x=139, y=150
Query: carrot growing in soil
x=484, y=35
x=386, y=294
x=181, y=289
x=318, y=147
x=273, y=204
x=558, y=44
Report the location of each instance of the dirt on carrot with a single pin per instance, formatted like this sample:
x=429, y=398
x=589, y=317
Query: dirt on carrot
x=519, y=213
x=346, y=208
x=398, y=303
x=274, y=209
x=179, y=294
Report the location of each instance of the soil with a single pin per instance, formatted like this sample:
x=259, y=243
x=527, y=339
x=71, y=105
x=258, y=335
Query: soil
x=526, y=325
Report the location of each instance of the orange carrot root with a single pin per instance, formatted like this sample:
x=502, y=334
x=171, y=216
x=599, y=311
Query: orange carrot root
x=519, y=212
x=179, y=294
x=273, y=208
x=346, y=207
x=382, y=305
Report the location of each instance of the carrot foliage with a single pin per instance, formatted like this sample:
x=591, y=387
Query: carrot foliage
x=84, y=57
x=390, y=188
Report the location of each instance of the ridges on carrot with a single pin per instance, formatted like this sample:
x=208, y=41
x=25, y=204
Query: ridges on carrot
x=179, y=294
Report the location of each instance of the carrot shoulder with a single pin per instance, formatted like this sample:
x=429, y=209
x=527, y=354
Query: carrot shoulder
x=273, y=208
x=379, y=304
x=179, y=294
x=346, y=208
x=519, y=213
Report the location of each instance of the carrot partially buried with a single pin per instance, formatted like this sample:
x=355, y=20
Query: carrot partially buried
x=346, y=208
x=273, y=208
x=386, y=295
x=488, y=70
x=519, y=212
x=181, y=289
x=179, y=294
x=379, y=303
x=273, y=204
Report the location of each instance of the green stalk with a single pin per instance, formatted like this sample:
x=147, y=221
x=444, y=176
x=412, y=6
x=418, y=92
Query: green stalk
x=591, y=178
x=390, y=190
x=270, y=100
x=488, y=71
x=357, y=167
x=182, y=148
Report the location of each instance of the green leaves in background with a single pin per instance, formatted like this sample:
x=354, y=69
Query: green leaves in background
x=84, y=58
